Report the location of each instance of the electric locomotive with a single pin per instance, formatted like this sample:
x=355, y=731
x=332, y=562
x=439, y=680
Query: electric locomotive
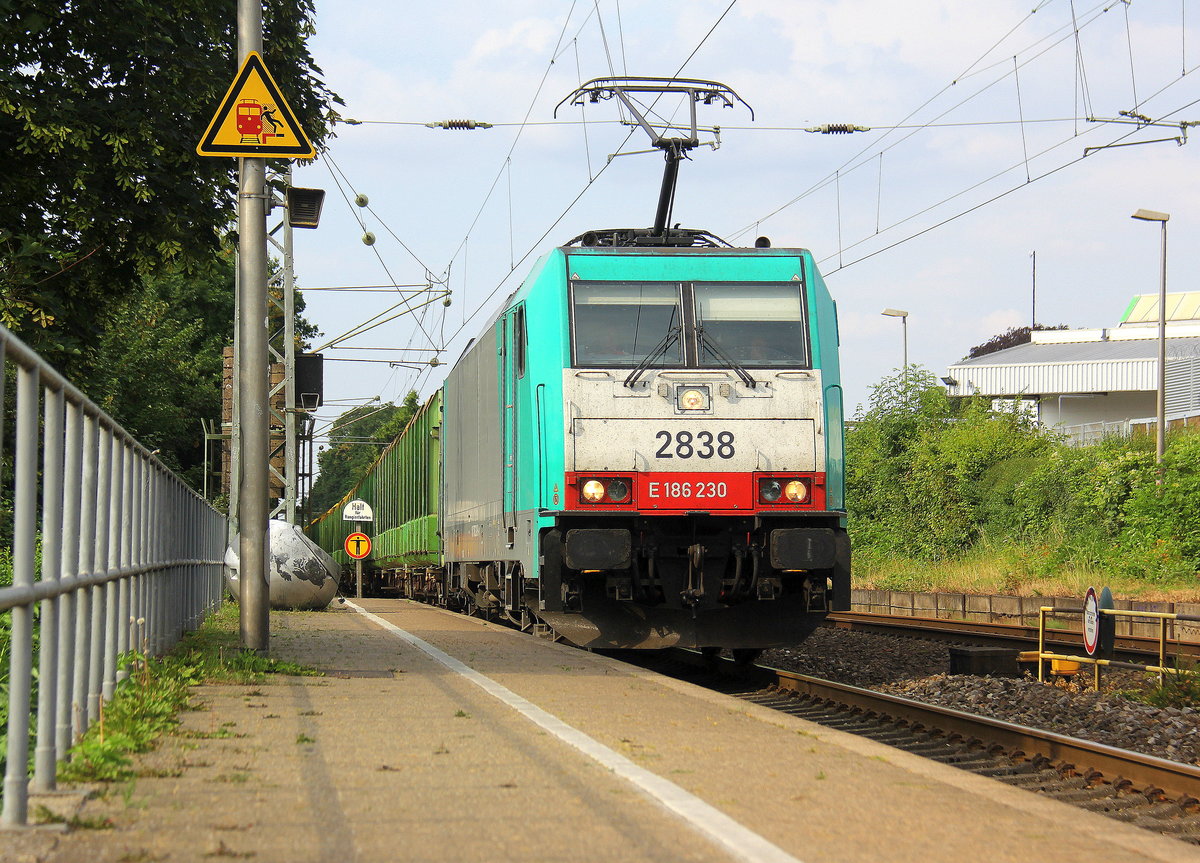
x=644, y=448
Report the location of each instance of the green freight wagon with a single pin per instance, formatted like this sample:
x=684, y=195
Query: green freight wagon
x=402, y=489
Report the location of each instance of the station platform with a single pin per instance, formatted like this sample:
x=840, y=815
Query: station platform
x=437, y=737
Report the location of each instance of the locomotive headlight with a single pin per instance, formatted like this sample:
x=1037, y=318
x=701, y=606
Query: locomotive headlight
x=769, y=490
x=618, y=490
x=693, y=398
x=593, y=491
x=796, y=491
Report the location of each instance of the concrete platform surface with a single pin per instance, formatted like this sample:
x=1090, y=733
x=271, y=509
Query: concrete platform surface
x=436, y=737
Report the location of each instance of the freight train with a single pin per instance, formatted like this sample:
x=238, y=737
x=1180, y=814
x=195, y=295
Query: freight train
x=642, y=449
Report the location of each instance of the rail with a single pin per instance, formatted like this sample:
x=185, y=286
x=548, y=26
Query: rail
x=1007, y=634
x=1172, y=779
x=130, y=559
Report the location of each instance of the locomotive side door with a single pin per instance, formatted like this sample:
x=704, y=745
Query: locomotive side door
x=512, y=367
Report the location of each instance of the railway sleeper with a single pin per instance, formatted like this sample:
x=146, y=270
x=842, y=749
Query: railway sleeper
x=1187, y=829
x=963, y=759
x=1150, y=816
x=929, y=747
x=1115, y=803
x=1004, y=771
x=1093, y=793
x=1057, y=784
x=851, y=722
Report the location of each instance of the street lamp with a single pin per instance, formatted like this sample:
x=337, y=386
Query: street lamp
x=1161, y=419
x=903, y=316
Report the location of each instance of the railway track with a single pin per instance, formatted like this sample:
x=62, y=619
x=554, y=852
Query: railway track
x=1131, y=648
x=1144, y=790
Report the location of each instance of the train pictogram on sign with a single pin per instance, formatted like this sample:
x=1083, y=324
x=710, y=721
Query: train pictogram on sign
x=255, y=120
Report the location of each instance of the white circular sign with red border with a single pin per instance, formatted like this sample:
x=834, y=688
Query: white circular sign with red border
x=1091, y=622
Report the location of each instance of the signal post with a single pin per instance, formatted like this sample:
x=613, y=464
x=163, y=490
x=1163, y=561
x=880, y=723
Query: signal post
x=358, y=545
x=253, y=123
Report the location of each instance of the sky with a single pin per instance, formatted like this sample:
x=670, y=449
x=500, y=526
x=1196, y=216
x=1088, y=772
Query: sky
x=975, y=159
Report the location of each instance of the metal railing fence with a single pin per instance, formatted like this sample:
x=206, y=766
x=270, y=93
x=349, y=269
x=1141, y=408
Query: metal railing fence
x=1162, y=618
x=130, y=560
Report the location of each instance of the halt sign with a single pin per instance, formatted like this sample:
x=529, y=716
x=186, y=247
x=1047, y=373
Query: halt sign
x=1091, y=622
x=357, y=510
x=254, y=120
x=357, y=545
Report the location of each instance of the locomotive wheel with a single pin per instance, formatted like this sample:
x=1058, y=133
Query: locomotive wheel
x=745, y=656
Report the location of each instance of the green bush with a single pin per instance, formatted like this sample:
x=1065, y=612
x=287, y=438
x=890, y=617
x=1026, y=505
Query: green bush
x=926, y=474
x=934, y=479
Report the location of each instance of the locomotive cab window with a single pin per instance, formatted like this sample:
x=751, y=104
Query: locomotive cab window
x=756, y=325
x=623, y=324
x=689, y=325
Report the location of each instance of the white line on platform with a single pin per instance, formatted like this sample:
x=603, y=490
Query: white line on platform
x=741, y=842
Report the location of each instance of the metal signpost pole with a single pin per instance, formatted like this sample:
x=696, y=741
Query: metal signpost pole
x=1160, y=443
x=358, y=569
x=357, y=544
x=1161, y=407
x=252, y=369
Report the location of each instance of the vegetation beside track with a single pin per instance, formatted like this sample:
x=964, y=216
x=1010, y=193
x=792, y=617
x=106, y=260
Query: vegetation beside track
x=148, y=703
x=950, y=495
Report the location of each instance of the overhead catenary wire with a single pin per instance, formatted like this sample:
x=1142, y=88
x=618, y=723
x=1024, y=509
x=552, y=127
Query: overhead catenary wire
x=441, y=339
x=1003, y=194
x=374, y=289
x=591, y=181
x=516, y=138
x=1132, y=73
x=334, y=172
x=853, y=162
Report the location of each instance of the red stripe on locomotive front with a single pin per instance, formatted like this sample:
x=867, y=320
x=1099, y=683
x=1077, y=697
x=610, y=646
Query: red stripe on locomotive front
x=663, y=493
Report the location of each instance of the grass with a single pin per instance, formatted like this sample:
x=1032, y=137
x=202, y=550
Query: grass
x=1180, y=688
x=148, y=703
x=44, y=816
x=1003, y=571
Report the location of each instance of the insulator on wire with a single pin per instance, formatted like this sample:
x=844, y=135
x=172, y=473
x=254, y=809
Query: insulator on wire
x=838, y=128
x=459, y=124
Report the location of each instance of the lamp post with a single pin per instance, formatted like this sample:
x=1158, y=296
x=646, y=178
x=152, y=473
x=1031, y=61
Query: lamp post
x=903, y=316
x=1161, y=417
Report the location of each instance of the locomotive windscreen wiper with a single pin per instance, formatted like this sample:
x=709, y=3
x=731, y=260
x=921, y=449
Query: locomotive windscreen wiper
x=713, y=348
x=661, y=348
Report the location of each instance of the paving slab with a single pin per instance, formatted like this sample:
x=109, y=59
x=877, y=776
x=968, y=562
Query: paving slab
x=392, y=755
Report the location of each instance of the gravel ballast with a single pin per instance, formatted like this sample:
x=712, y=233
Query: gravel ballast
x=915, y=668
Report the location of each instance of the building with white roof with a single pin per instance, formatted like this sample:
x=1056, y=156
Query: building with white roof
x=1093, y=382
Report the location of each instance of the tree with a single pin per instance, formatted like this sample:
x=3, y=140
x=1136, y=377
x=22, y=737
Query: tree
x=1010, y=338
x=101, y=106
x=156, y=363
x=167, y=337
x=355, y=441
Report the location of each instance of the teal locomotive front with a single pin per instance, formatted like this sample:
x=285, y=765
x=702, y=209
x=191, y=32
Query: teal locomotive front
x=644, y=449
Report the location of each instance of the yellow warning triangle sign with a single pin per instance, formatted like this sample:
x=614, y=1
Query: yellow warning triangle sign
x=254, y=120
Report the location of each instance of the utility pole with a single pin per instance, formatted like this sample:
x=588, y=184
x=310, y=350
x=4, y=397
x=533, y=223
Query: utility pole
x=251, y=362
x=1033, y=309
